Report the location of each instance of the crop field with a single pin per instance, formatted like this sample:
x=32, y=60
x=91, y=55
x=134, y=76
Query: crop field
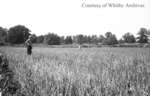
x=85, y=72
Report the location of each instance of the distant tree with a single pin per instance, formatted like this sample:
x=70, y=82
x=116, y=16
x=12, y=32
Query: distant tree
x=94, y=39
x=18, y=34
x=142, y=38
x=74, y=39
x=62, y=40
x=34, y=38
x=121, y=41
x=89, y=39
x=40, y=39
x=52, y=39
x=85, y=39
x=68, y=40
x=101, y=38
x=110, y=39
x=3, y=36
x=108, y=34
x=129, y=38
x=114, y=39
x=80, y=39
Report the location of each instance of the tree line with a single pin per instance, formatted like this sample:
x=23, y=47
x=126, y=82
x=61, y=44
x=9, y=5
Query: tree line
x=19, y=33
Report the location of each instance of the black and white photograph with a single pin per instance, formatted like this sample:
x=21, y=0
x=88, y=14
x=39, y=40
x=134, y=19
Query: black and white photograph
x=75, y=48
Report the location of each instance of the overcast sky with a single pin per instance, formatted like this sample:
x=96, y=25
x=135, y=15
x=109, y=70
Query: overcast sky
x=68, y=17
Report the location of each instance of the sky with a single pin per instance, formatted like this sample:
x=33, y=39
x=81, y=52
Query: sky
x=68, y=17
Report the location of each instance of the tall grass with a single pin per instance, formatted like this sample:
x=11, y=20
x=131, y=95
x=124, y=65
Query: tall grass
x=86, y=72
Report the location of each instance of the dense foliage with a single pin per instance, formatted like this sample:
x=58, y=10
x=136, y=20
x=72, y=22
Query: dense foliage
x=110, y=39
x=142, y=38
x=52, y=39
x=129, y=38
x=18, y=34
x=3, y=36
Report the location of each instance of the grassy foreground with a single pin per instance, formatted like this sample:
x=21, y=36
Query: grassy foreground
x=85, y=72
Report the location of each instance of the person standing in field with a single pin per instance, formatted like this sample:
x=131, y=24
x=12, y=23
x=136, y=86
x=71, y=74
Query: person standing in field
x=28, y=44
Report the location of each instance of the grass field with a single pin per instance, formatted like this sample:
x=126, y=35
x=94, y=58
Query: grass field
x=85, y=72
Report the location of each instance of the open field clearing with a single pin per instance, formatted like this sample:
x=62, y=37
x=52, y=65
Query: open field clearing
x=85, y=72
